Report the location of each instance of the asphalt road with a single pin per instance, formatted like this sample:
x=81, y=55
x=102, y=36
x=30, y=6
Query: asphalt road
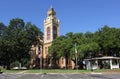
x=60, y=76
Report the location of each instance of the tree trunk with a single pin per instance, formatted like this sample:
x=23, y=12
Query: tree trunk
x=8, y=67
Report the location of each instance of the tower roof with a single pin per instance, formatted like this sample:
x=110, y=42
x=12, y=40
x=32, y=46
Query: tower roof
x=51, y=11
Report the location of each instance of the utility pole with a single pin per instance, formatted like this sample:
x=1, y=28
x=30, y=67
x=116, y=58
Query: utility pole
x=40, y=57
x=91, y=61
x=76, y=56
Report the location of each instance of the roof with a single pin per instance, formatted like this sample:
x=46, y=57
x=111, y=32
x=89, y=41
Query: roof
x=102, y=58
x=51, y=11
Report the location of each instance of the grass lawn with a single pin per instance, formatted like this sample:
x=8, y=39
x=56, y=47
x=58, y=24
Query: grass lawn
x=62, y=71
x=57, y=71
x=107, y=70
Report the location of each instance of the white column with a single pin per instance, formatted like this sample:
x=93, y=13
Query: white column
x=110, y=63
x=118, y=63
x=97, y=64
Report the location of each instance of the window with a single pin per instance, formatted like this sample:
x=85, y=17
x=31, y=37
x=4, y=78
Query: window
x=46, y=50
x=54, y=32
x=48, y=33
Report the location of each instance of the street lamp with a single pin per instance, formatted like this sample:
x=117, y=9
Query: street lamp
x=40, y=57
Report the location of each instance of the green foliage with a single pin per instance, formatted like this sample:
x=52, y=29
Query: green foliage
x=109, y=40
x=58, y=42
x=17, y=39
x=105, y=41
x=15, y=64
x=2, y=28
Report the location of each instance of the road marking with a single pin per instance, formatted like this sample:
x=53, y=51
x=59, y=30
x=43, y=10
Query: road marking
x=41, y=77
x=12, y=75
x=95, y=73
x=66, y=77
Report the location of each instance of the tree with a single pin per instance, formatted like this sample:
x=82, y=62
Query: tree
x=63, y=46
x=56, y=50
x=17, y=41
x=2, y=28
x=105, y=41
x=108, y=40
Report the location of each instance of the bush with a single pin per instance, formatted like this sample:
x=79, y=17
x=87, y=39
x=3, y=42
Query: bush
x=1, y=69
x=15, y=64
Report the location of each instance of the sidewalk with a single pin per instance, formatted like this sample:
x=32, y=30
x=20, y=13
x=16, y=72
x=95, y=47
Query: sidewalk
x=22, y=72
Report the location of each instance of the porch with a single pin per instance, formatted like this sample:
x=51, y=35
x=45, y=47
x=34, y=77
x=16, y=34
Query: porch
x=107, y=62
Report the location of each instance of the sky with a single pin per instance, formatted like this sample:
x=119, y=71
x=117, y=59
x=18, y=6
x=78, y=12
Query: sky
x=74, y=15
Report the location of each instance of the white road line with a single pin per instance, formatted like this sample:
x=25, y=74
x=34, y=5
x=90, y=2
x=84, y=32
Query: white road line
x=12, y=75
x=95, y=73
x=41, y=77
x=66, y=77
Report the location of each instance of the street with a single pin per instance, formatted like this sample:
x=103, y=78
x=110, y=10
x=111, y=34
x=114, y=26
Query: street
x=60, y=76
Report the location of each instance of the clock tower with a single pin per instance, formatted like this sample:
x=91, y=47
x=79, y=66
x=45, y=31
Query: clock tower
x=51, y=31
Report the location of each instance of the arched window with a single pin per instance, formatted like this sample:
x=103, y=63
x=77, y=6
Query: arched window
x=54, y=32
x=48, y=33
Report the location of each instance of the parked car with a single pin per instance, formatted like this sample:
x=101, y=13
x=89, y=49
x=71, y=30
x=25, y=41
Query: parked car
x=21, y=68
x=15, y=68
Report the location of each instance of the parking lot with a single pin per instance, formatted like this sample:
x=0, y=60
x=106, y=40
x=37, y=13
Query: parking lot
x=60, y=76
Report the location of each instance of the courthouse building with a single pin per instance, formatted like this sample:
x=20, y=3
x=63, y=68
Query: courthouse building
x=51, y=31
